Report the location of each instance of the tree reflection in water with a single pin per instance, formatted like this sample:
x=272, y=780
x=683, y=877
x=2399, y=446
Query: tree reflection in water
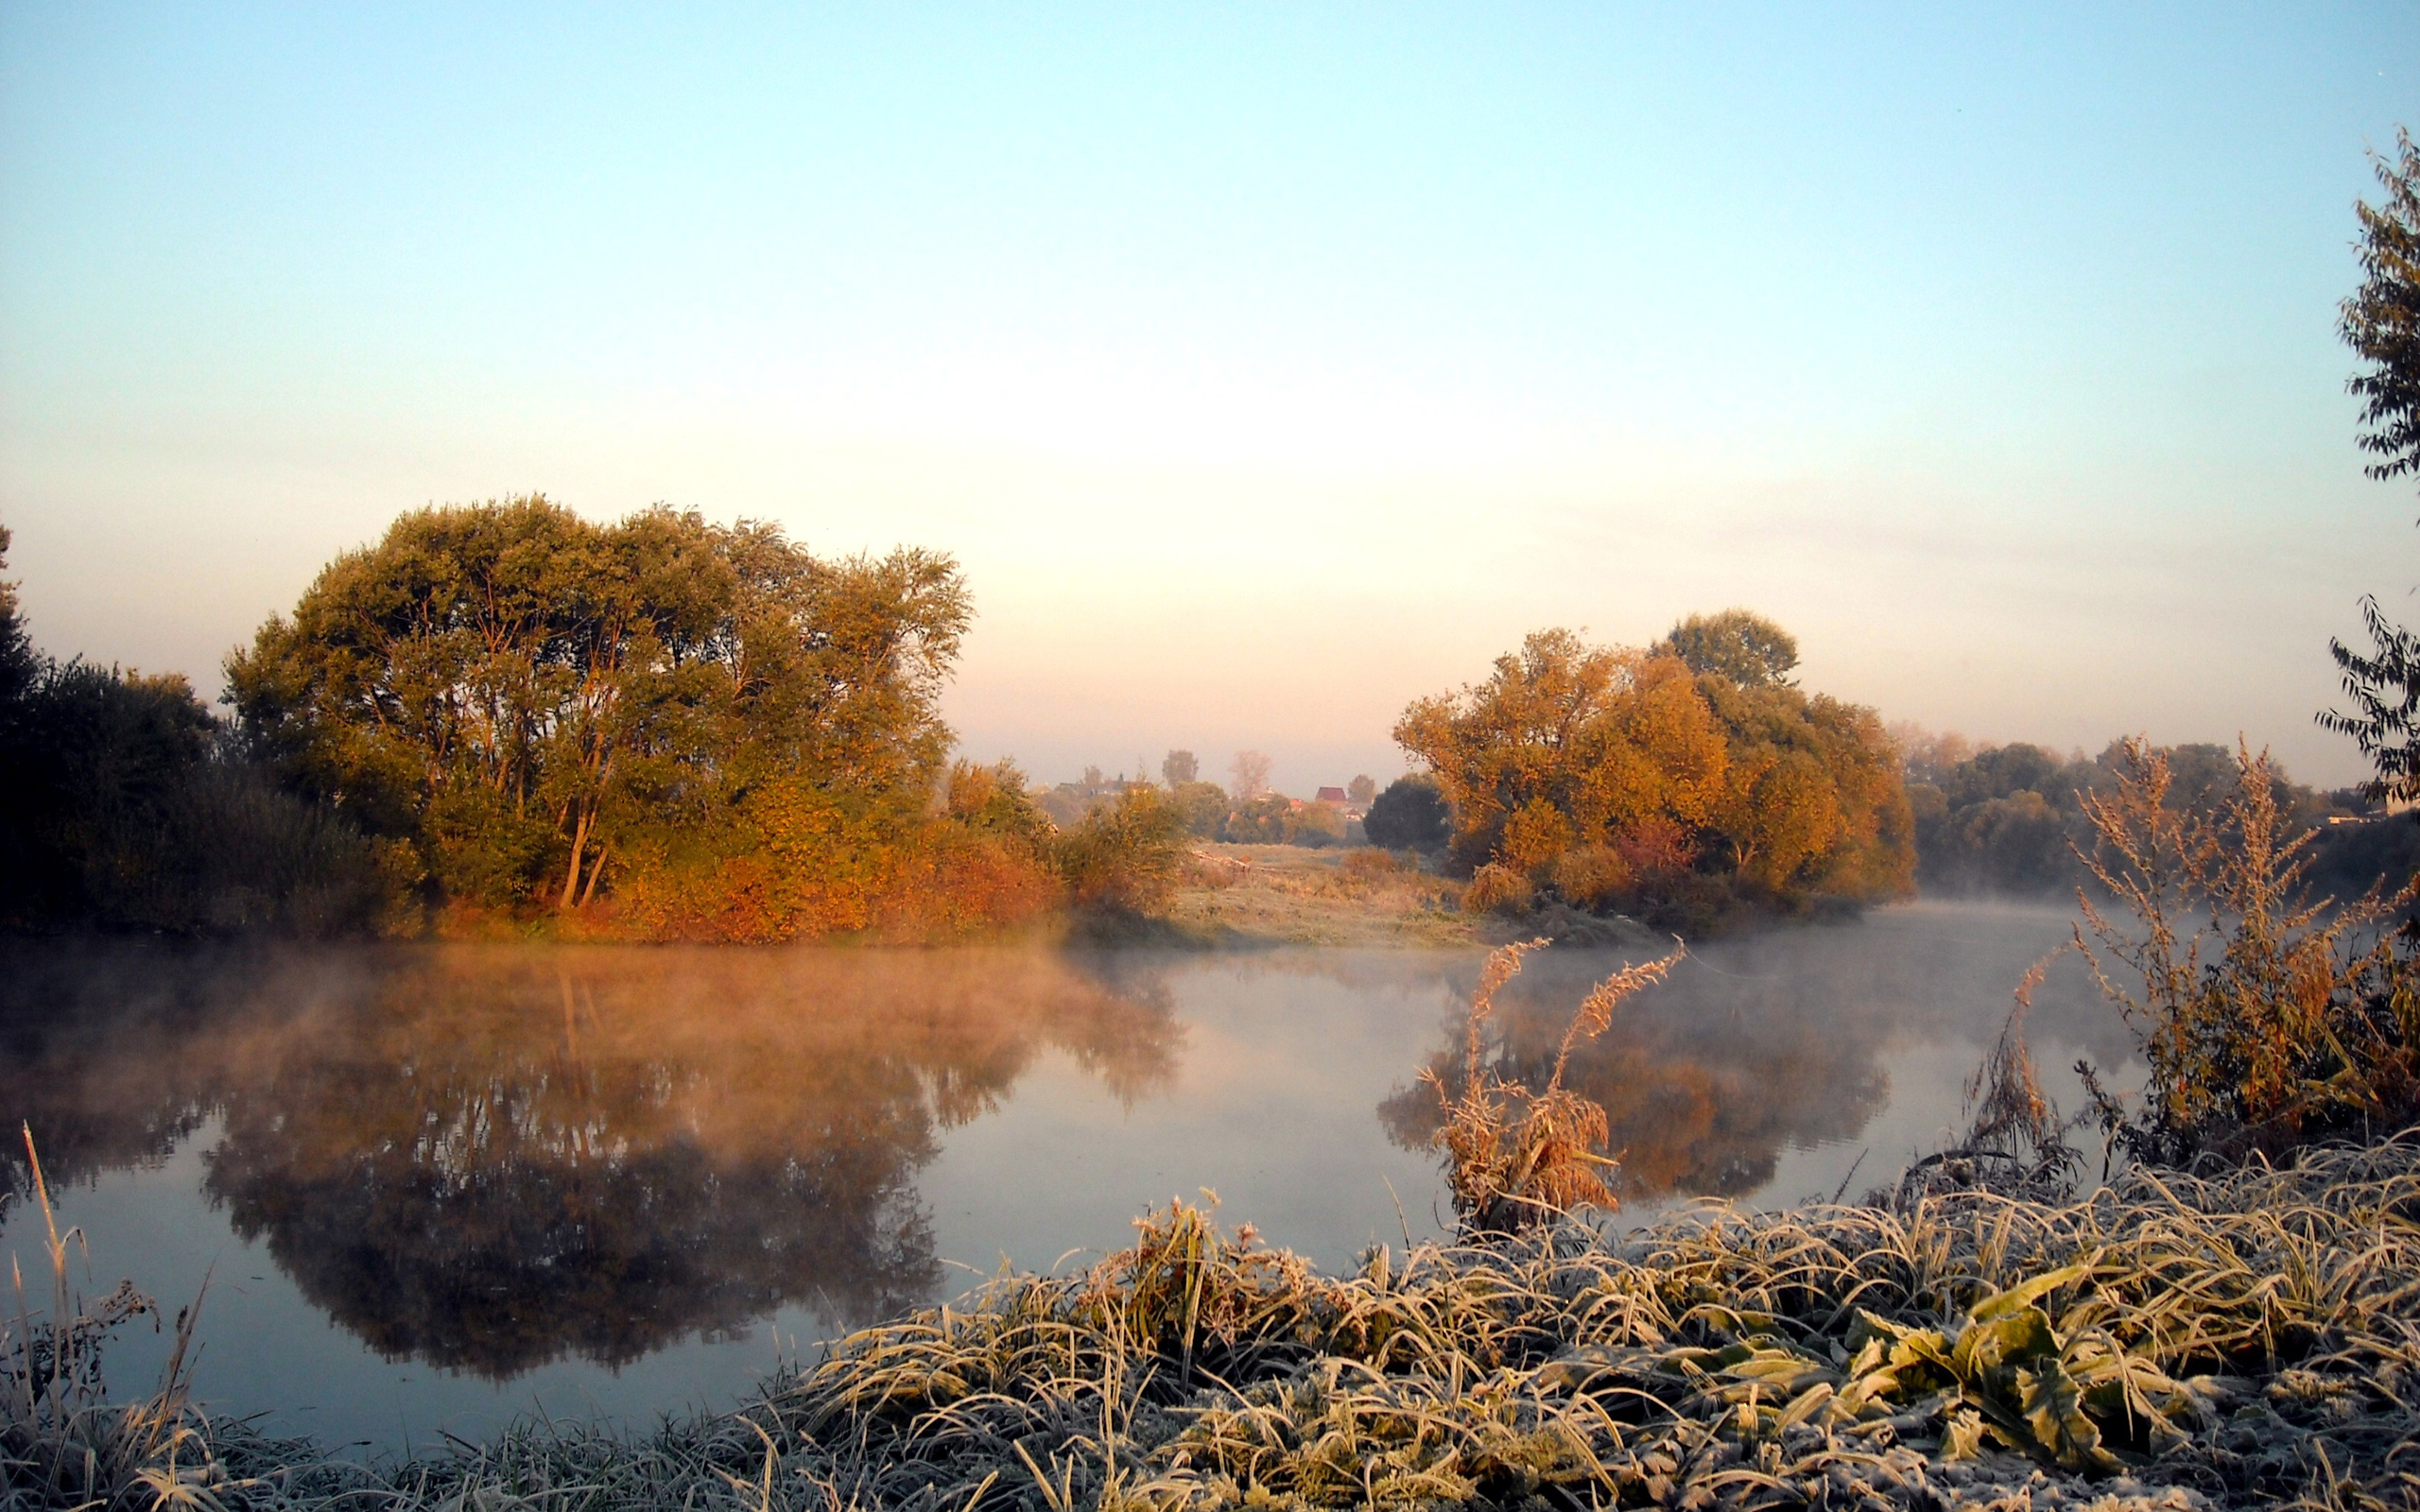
x=488, y=1159
x=1704, y=1081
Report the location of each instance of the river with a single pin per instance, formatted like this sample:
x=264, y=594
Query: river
x=432, y=1187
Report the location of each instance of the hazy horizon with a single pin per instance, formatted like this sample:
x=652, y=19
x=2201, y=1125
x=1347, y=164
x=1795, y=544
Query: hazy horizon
x=1264, y=370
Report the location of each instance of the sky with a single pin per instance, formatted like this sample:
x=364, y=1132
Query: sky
x=1265, y=367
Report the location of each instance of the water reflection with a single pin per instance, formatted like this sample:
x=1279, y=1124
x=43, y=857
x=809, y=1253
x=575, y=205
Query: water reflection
x=1757, y=1047
x=541, y=1165
x=490, y=1158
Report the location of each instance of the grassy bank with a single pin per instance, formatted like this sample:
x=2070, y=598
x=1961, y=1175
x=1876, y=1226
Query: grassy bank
x=1248, y=895
x=2237, y=1340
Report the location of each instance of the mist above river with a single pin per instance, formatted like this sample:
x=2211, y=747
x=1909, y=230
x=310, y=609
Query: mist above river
x=441, y=1184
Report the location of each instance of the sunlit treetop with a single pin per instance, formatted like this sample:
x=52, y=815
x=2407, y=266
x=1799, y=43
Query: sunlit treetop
x=1748, y=649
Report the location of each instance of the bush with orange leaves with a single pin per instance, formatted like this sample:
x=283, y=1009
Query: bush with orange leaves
x=802, y=862
x=2268, y=1018
x=1515, y=1158
x=1615, y=778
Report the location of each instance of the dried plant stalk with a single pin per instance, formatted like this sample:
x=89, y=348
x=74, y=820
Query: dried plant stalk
x=2267, y=1016
x=1517, y=1158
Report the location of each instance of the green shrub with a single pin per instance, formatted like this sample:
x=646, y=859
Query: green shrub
x=1409, y=816
x=1203, y=807
x=1126, y=854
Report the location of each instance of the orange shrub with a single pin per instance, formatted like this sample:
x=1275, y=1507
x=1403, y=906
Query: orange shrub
x=1591, y=875
x=1497, y=888
x=803, y=867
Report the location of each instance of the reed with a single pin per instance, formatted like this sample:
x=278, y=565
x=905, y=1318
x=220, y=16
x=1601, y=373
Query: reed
x=1515, y=1157
x=2267, y=1016
x=63, y=1442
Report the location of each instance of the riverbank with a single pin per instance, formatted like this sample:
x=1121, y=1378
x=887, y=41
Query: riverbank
x=2168, y=1341
x=1247, y=896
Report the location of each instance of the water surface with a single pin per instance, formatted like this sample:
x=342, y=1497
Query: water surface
x=440, y=1185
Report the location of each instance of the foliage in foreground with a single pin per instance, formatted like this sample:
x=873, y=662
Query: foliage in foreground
x=2168, y=1341
x=2265, y=1019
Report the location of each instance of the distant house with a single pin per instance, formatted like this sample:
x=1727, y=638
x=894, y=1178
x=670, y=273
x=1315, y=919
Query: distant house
x=1344, y=801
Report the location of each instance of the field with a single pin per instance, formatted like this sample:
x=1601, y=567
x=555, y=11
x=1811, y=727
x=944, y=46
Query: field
x=1243, y=894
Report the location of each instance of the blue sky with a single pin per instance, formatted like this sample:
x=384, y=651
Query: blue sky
x=1266, y=368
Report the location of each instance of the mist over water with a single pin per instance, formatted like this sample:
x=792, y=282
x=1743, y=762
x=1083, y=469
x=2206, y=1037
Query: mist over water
x=443, y=1184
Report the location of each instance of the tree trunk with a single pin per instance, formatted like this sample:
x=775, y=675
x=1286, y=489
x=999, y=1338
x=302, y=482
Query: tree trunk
x=593, y=872
x=571, y=878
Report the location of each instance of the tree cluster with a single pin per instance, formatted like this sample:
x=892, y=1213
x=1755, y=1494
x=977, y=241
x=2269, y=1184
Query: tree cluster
x=1409, y=816
x=125, y=804
x=518, y=704
x=1688, y=782
x=2015, y=820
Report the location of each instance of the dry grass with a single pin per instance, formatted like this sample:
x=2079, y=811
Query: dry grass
x=2247, y=1340
x=1273, y=894
x=63, y=1443
x=2015, y=1142
x=2266, y=1018
x=1518, y=1157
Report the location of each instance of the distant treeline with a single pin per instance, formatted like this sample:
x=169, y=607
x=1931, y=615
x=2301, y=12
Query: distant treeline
x=502, y=717
x=2008, y=821
x=1208, y=811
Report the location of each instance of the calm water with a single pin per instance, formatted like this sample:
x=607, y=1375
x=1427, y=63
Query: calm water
x=443, y=1185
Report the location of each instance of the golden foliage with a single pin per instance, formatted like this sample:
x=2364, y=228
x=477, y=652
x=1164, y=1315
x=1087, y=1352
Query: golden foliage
x=1127, y=854
x=1602, y=737
x=1517, y=1158
x=1591, y=875
x=801, y=863
x=1497, y=889
x=2265, y=1017
x=1710, y=791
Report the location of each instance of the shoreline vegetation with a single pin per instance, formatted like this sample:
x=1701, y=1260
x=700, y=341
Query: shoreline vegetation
x=2167, y=1340
x=2225, y=1319
x=503, y=720
x=504, y=715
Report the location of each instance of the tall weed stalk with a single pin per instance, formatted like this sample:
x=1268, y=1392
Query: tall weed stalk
x=2268, y=1018
x=63, y=1443
x=1514, y=1157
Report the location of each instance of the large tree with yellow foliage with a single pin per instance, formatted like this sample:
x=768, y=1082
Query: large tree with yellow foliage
x=1615, y=777
x=521, y=706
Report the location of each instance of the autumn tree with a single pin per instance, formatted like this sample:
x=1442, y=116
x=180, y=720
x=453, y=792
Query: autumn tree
x=510, y=698
x=1813, y=799
x=1618, y=775
x=1361, y=790
x=1180, y=767
x=1565, y=743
